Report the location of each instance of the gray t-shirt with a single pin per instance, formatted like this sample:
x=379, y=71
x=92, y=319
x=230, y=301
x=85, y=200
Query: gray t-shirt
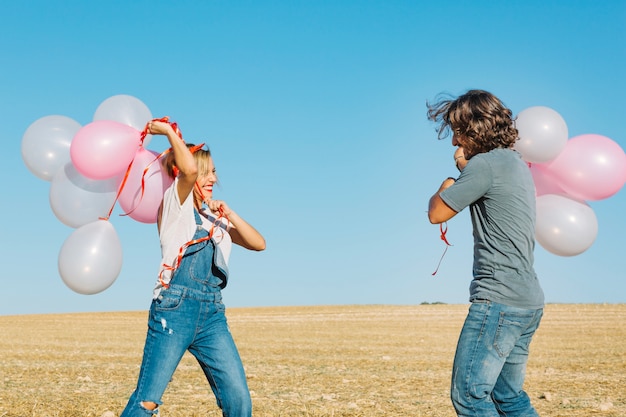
x=499, y=189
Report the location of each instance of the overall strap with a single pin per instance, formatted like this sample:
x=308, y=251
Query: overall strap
x=182, y=249
x=197, y=216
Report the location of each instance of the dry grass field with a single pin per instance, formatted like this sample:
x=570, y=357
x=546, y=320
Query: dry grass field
x=310, y=361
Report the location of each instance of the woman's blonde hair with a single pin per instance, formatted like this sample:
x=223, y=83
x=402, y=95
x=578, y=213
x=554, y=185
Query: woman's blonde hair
x=200, y=155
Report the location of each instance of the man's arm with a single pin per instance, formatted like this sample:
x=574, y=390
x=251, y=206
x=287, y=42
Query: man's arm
x=438, y=210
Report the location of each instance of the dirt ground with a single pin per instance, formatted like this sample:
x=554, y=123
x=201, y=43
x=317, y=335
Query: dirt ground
x=317, y=361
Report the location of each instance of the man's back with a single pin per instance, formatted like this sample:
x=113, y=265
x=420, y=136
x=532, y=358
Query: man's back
x=498, y=187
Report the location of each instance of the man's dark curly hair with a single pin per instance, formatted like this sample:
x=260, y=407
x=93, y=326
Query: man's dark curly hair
x=480, y=118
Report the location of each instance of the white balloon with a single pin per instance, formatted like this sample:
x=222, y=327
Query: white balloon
x=127, y=110
x=77, y=200
x=46, y=144
x=565, y=227
x=542, y=134
x=91, y=258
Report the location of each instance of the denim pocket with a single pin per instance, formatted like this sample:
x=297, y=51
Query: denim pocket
x=510, y=328
x=169, y=299
x=199, y=264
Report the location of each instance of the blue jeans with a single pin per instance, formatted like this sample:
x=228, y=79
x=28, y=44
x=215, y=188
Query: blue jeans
x=490, y=361
x=189, y=315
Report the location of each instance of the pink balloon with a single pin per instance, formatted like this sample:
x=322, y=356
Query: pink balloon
x=104, y=148
x=590, y=167
x=144, y=208
x=545, y=182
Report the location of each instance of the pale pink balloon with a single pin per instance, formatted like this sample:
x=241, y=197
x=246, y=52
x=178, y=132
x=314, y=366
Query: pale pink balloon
x=104, y=148
x=545, y=182
x=590, y=167
x=144, y=208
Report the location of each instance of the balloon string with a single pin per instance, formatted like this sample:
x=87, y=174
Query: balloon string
x=119, y=190
x=445, y=239
x=182, y=249
x=142, y=137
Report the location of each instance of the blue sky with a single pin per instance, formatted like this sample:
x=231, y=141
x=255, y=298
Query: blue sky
x=315, y=114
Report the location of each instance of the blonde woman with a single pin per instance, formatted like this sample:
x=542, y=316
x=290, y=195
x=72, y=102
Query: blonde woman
x=187, y=313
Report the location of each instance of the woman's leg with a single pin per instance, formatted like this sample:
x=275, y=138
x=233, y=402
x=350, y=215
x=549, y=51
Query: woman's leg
x=217, y=354
x=163, y=350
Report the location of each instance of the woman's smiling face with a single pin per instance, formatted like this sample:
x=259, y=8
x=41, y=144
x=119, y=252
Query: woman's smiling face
x=207, y=179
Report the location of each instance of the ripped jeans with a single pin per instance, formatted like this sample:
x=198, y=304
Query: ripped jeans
x=183, y=319
x=189, y=315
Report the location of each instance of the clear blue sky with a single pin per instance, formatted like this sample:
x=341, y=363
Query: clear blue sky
x=315, y=113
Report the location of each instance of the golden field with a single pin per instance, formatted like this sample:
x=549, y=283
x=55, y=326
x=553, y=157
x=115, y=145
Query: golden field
x=310, y=361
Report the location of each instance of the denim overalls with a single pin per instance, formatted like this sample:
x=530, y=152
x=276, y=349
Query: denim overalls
x=189, y=315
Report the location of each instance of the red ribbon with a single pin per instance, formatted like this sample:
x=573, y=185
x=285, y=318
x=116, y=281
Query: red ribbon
x=182, y=249
x=165, y=119
x=445, y=239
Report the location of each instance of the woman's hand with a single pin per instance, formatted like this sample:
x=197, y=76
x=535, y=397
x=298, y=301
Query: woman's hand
x=242, y=233
x=183, y=159
x=159, y=127
x=217, y=206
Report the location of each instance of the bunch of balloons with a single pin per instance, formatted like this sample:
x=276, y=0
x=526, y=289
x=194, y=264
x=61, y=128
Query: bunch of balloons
x=91, y=168
x=567, y=173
